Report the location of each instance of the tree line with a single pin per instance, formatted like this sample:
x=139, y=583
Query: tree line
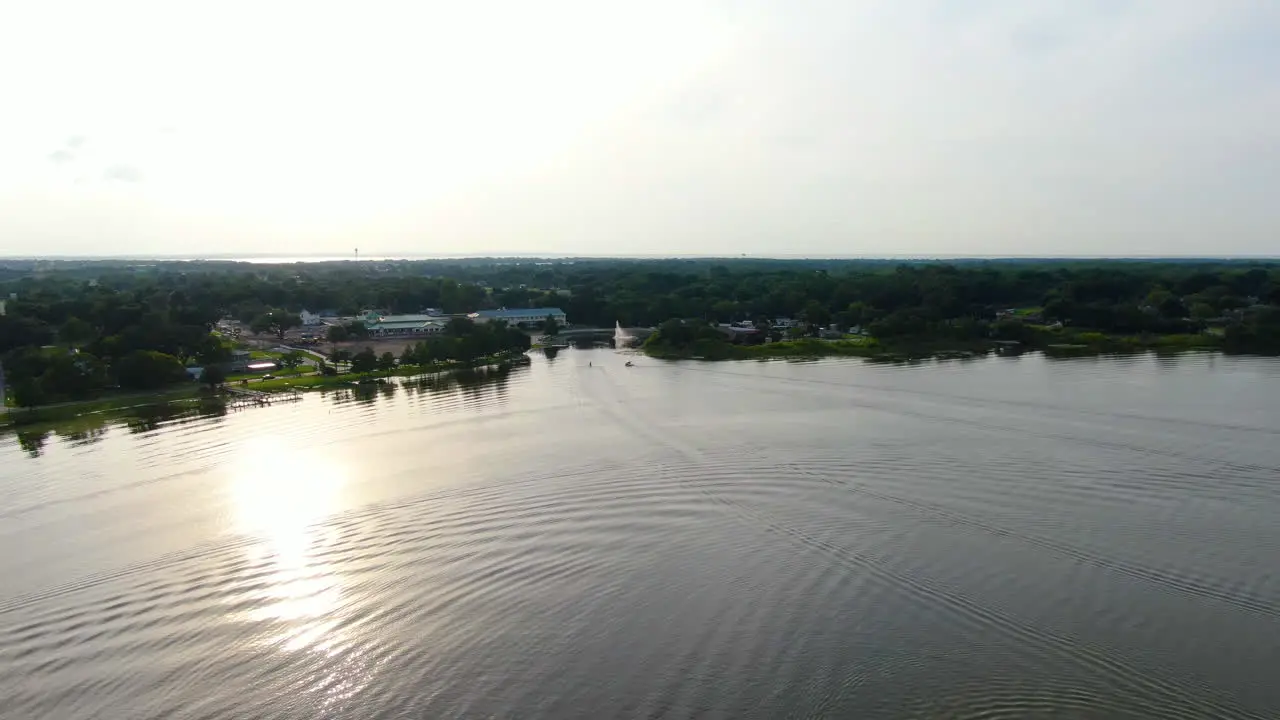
x=67, y=342
x=953, y=301
x=73, y=327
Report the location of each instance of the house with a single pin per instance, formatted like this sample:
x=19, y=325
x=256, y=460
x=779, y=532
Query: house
x=1029, y=316
x=380, y=325
x=521, y=316
x=738, y=334
x=319, y=317
x=239, y=361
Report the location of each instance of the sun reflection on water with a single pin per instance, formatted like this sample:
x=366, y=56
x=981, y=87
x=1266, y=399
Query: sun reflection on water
x=284, y=496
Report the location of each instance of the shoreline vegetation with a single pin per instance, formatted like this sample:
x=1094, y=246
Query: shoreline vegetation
x=713, y=348
x=144, y=414
x=347, y=379
x=462, y=345
x=104, y=333
x=197, y=396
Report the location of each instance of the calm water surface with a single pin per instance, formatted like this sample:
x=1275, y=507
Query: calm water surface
x=1005, y=537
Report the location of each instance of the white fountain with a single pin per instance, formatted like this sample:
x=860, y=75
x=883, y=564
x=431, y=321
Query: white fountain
x=621, y=338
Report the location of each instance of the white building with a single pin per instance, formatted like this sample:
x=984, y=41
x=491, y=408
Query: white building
x=402, y=325
x=309, y=318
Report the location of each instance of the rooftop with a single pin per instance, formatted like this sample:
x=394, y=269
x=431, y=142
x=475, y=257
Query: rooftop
x=540, y=312
x=384, y=319
x=397, y=324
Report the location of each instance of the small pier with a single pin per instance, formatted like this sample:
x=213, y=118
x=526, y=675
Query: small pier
x=238, y=397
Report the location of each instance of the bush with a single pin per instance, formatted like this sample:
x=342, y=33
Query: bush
x=147, y=369
x=213, y=375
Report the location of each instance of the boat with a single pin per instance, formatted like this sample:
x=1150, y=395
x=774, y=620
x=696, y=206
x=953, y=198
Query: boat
x=629, y=363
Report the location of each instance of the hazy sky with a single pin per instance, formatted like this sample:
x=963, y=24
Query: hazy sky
x=791, y=127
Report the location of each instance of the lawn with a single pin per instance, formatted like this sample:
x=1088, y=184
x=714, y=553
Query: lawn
x=282, y=372
x=111, y=400
x=315, y=380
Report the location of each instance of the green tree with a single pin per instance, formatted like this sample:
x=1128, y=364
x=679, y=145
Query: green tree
x=725, y=310
x=387, y=361
x=1202, y=311
x=73, y=375
x=54, y=375
x=75, y=331
x=1172, y=307
x=860, y=314
x=459, y=327
x=816, y=314
x=339, y=357
x=291, y=359
x=550, y=326
x=277, y=322
x=213, y=375
x=212, y=350
x=1013, y=330
x=29, y=393
x=365, y=361
x=337, y=333
x=409, y=356
x=19, y=331
x=148, y=369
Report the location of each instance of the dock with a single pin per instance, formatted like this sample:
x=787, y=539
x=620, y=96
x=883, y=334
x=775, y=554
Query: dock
x=238, y=397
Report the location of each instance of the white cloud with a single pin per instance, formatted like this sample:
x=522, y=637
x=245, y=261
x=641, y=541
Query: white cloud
x=122, y=173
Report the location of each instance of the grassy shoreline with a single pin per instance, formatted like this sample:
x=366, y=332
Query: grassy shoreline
x=62, y=412
x=309, y=382
x=1068, y=343
x=101, y=406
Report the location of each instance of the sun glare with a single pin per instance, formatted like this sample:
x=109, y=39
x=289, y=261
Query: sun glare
x=283, y=496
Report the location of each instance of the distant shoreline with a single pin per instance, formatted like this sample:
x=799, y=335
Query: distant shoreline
x=270, y=258
x=923, y=348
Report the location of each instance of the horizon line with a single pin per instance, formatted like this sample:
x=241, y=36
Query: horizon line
x=410, y=257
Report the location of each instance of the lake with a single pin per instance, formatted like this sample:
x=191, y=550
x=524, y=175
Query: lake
x=1005, y=537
